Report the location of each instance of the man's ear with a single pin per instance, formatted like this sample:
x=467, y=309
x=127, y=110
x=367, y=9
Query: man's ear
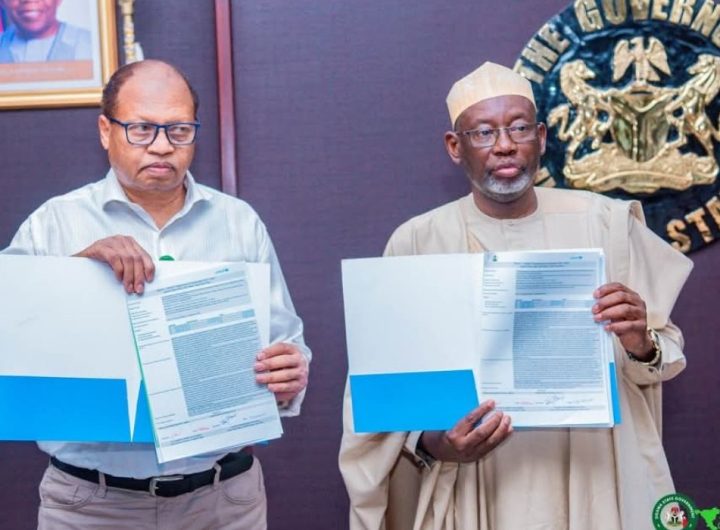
x=104, y=126
x=454, y=149
x=542, y=137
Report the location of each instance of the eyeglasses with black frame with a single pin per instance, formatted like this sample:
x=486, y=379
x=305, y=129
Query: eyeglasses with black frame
x=486, y=137
x=144, y=133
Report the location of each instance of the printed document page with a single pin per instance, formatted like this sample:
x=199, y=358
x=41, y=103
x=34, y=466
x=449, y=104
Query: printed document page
x=542, y=357
x=197, y=337
x=429, y=337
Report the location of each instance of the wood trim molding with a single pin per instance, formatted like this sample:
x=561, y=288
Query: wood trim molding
x=226, y=100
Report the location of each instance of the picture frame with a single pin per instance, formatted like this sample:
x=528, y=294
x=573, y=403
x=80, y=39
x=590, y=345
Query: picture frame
x=67, y=68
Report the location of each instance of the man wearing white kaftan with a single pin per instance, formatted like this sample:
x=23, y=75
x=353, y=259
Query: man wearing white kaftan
x=544, y=479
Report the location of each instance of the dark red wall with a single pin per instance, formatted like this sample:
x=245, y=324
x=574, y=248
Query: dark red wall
x=340, y=109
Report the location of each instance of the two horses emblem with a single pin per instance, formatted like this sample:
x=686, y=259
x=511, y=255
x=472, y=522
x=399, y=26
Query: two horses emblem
x=635, y=138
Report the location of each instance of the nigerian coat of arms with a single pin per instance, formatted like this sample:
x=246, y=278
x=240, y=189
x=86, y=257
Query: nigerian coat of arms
x=629, y=91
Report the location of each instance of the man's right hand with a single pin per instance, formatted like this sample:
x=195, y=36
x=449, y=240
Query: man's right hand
x=128, y=260
x=469, y=440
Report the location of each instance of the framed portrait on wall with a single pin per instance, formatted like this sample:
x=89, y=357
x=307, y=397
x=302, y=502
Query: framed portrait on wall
x=55, y=53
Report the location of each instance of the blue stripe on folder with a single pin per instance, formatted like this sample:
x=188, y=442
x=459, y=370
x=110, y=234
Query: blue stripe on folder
x=615, y=395
x=411, y=401
x=63, y=408
x=143, y=424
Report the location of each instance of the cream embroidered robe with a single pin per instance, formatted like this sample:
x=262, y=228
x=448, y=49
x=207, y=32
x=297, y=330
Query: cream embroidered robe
x=579, y=479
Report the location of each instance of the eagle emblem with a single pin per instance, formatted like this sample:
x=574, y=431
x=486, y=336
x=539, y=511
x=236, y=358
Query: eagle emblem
x=632, y=138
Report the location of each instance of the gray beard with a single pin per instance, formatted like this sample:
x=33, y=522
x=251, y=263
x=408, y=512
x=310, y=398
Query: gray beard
x=502, y=190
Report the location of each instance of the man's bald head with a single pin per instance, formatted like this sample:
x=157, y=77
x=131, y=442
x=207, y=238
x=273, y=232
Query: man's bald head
x=111, y=91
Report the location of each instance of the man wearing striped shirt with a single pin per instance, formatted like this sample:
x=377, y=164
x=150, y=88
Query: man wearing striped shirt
x=148, y=206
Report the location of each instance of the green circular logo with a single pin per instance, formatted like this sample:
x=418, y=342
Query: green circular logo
x=675, y=512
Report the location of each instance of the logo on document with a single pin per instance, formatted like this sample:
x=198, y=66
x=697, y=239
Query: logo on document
x=629, y=92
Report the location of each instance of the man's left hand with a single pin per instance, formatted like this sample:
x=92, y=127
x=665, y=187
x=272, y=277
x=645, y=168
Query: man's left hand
x=626, y=315
x=284, y=369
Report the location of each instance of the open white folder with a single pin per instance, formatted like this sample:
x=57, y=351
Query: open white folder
x=429, y=337
x=68, y=363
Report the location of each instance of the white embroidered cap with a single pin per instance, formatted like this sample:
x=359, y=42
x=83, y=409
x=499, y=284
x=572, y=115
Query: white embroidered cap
x=488, y=81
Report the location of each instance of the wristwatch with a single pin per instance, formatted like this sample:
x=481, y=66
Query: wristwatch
x=656, y=353
x=423, y=455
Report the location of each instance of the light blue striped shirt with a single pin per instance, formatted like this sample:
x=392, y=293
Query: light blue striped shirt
x=211, y=226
